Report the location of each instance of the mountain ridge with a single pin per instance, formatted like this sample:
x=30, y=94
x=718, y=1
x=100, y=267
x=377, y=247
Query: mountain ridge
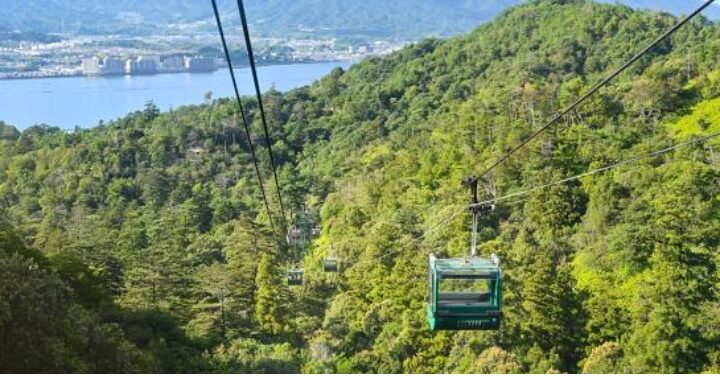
x=405, y=19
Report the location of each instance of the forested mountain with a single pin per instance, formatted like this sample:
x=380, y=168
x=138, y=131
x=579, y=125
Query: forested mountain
x=142, y=245
x=405, y=19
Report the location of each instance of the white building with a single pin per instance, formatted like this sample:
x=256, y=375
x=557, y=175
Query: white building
x=91, y=67
x=141, y=65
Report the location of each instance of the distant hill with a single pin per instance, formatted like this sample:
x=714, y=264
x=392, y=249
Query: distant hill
x=375, y=18
x=401, y=19
x=75, y=16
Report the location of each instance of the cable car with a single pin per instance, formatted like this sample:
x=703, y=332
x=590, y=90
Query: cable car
x=315, y=232
x=465, y=294
x=295, y=237
x=330, y=265
x=295, y=277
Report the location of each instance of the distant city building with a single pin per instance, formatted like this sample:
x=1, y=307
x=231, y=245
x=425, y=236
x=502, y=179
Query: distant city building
x=154, y=58
x=200, y=64
x=91, y=67
x=142, y=65
x=112, y=66
x=174, y=62
x=150, y=64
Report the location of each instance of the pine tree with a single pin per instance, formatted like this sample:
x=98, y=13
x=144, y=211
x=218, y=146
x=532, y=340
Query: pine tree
x=273, y=298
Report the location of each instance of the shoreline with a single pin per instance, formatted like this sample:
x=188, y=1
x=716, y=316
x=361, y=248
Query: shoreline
x=115, y=76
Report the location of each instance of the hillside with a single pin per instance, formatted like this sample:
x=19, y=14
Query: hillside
x=152, y=233
x=404, y=19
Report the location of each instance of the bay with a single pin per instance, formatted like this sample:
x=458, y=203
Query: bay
x=84, y=101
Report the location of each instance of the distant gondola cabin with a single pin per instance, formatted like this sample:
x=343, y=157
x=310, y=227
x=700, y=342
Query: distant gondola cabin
x=295, y=277
x=295, y=237
x=330, y=265
x=465, y=294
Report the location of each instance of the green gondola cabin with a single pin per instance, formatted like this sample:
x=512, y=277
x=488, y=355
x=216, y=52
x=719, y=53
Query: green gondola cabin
x=295, y=277
x=465, y=294
x=331, y=265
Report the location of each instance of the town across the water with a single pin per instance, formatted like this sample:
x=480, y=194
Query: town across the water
x=153, y=64
x=89, y=55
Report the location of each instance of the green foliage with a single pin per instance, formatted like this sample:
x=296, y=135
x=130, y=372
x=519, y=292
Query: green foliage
x=606, y=358
x=249, y=356
x=271, y=309
x=43, y=330
x=496, y=360
x=8, y=133
x=704, y=119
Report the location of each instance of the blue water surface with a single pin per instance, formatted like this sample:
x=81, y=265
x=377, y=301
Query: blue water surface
x=83, y=101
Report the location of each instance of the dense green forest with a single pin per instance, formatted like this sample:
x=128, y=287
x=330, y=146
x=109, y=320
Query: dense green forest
x=142, y=244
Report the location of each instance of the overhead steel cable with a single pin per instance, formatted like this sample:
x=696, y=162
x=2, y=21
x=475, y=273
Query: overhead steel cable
x=597, y=87
x=601, y=169
x=256, y=81
x=417, y=241
x=242, y=113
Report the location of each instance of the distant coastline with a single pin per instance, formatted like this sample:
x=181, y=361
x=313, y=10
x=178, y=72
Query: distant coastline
x=34, y=75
